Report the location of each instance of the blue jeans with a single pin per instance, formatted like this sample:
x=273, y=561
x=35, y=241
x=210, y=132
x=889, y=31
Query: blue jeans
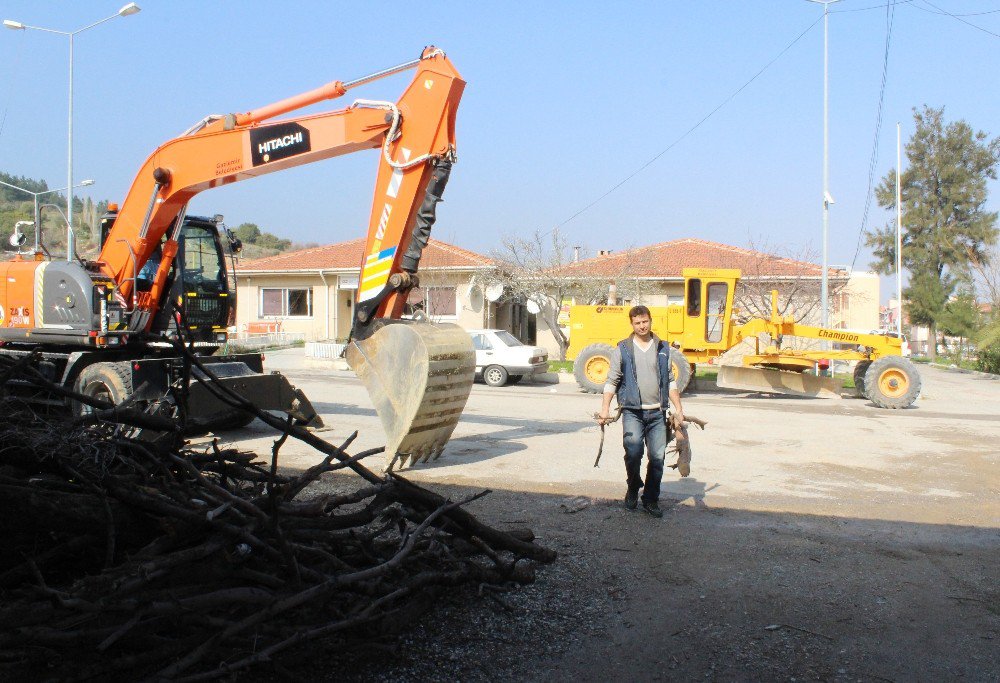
x=650, y=428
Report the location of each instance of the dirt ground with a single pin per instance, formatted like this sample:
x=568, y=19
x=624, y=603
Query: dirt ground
x=815, y=540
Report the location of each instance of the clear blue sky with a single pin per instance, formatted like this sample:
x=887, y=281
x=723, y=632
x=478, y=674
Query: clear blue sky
x=565, y=100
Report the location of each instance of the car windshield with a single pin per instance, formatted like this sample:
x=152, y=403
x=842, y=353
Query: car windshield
x=508, y=339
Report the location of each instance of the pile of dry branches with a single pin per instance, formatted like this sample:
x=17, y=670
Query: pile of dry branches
x=126, y=556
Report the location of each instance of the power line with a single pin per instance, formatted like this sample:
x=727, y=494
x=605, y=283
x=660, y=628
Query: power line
x=691, y=129
x=865, y=9
x=964, y=14
x=890, y=14
x=957, y=17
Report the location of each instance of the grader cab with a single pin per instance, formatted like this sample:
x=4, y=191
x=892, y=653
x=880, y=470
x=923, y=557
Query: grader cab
x=704, y=327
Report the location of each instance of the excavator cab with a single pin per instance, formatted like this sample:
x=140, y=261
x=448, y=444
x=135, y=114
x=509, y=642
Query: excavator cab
x=200, y=284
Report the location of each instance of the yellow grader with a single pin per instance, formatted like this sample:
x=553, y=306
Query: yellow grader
x=704, y=327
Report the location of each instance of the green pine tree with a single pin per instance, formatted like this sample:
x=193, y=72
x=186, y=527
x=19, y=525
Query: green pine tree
x=945, y=221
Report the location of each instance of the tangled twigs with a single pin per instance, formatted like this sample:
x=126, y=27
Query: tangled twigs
x=131, y=558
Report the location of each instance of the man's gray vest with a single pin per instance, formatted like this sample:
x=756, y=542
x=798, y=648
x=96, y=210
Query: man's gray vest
x=628, y=388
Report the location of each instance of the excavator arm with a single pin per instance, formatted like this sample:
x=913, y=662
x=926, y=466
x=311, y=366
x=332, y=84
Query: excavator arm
x=416, y=135
x=416, y=139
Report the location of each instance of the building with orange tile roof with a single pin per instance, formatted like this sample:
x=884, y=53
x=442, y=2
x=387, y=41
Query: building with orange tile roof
x=309, y=292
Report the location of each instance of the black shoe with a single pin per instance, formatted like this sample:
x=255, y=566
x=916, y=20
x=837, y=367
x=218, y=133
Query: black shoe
x=632, y=499
x=653, y=508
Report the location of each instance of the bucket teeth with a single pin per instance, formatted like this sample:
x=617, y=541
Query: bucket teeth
x=419, y=376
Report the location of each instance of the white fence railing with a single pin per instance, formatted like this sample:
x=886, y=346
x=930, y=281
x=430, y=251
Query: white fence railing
x=254, y=341
x=324, y=350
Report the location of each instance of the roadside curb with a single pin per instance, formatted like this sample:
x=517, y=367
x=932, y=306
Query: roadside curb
x=326, y=363
x=955, y=368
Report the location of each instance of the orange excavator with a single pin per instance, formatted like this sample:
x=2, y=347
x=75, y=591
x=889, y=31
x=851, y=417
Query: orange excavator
x=102, y=325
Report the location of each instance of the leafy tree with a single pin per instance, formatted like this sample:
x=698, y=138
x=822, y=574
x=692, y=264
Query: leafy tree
x=961, y=318
x=945, y=223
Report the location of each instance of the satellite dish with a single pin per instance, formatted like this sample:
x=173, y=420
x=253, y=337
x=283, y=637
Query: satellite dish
x=475, y=298
x=494, y=292
x=533, y=307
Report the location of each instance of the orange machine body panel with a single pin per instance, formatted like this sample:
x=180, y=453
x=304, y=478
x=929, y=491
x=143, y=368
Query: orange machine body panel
x=17, y=292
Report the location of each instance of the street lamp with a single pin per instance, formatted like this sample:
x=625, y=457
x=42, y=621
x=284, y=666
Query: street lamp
x=125, y=11
x=36, y=195
x=827, y=198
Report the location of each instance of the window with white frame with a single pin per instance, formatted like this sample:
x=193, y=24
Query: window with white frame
x=285, y=303
x=435, y=302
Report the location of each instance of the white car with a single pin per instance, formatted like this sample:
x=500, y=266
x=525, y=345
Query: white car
x=502, y=359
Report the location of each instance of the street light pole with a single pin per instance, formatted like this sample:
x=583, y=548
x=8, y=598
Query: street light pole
x=129, y=9
x=827, y=199
x=36, y=195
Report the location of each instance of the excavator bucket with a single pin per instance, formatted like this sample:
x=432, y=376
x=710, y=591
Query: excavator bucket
x=419, y=376
x=772, y=381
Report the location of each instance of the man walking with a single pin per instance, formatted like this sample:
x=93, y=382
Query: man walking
x=641, y=377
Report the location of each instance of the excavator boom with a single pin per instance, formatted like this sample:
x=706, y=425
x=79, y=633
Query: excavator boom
x=419, y=400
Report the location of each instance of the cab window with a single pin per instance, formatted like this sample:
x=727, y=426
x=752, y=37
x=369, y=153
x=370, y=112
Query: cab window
x=202, y=266
x=715, y=316
x=694, y=298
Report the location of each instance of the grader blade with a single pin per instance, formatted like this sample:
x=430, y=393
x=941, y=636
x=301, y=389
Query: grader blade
x=419, y=376
x=772, y=381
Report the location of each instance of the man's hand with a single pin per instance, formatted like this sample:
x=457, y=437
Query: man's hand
x=603, y=418
x=677, y=420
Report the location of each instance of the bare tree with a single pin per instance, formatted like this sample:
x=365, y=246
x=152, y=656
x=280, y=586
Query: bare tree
x=986, y=274
x=539, y=268
x=766, y=268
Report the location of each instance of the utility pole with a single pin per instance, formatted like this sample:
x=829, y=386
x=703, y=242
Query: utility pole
x=899, y=235
x=827, y=199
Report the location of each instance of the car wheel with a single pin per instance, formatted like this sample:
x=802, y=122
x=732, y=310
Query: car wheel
x=495, y=375
x=514, y=379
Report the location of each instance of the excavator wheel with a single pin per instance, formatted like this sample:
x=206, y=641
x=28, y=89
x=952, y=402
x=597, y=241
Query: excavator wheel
x=859, y=377
x=110, y=382
x=681, y=369
x=419, y=376
x=892, y=382
x=591, y=367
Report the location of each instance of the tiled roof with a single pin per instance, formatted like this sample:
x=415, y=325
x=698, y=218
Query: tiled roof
x=347, y=255
x=668, y=259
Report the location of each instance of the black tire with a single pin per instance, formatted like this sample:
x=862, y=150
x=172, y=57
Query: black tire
x=892, y=382
x=859, y=377
x=681, y=369
x=108, y=381
x=238, y=419
x=514, y=379
x=591, y=367
x=495, y=375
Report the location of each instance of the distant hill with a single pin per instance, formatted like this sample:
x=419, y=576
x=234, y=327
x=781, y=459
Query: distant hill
x=20, y=206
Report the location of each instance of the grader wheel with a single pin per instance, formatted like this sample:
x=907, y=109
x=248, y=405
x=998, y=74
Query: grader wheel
x=681, y=369
x=859, y=377
x=591, y=367
x=892, y=382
